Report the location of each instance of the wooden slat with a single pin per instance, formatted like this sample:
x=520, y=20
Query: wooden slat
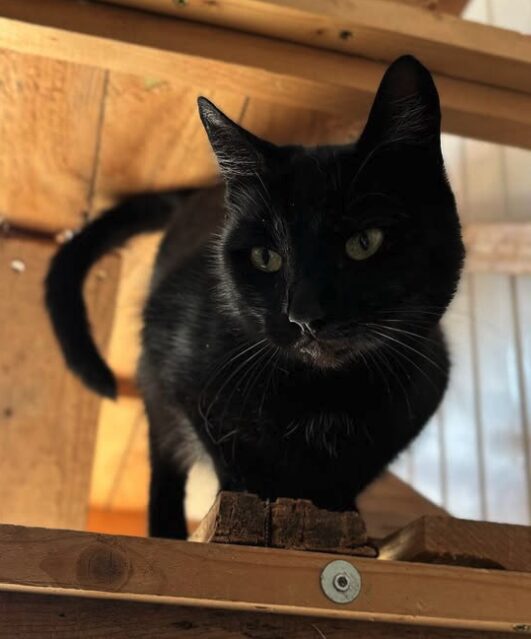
x=47, y=419
x=28, y=616
x=202, y=55
x=49, y=122
x=389, y=504
x=455, y=7
x=375, y=29
x=445, y=540
x=246, y=579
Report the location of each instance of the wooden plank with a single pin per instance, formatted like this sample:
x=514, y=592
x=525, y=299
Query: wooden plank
x=455, y=7
x=28, y=616
x=248, y=579
x=49, y=121
x=201, y=55
x=445, y=540
x=245, y=519
x=372, y=29
x=389, y=504
x=47, y=419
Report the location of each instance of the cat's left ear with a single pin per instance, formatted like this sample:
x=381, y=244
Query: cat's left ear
x=239, y=153
x=406, y=108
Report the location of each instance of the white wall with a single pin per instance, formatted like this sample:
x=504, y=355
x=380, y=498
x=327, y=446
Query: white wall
x=474, y=457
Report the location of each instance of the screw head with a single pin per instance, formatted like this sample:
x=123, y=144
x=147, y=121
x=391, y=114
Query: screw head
x=340, y=581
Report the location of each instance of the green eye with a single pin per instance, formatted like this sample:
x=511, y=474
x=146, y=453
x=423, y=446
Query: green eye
x=265, y=259
x=364, y=244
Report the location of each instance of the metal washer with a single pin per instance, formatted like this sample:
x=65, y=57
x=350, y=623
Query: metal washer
x=340, y=581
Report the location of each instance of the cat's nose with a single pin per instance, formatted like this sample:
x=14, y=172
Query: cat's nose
x=304, y=307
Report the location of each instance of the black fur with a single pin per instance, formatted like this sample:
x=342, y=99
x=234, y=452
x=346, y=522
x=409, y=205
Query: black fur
x=306, y=381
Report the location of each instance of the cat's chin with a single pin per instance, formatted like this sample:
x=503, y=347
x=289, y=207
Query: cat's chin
x=326, y=354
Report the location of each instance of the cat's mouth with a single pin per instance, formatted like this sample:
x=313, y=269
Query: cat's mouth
x=325, y=353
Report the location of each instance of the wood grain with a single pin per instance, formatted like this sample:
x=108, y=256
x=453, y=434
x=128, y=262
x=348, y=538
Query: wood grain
x=389, y=504
x=446, y=540
x=245, y=519
x=28, y=616
x=49, y=125
x=47, y=419
x=201, y=55
x=246, y=579
x=373, y=29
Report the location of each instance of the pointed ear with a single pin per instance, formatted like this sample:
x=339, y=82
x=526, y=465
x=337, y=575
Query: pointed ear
x=406, y=108
x=238, y=152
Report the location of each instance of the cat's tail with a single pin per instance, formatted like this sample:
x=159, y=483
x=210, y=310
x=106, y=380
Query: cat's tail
x=69, y=267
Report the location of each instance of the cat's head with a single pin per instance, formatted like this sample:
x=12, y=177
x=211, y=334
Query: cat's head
x=330, y=251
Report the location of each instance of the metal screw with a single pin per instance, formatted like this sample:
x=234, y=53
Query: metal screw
x=340, y=581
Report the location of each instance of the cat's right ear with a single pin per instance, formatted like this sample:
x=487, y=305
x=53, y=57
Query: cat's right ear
x=238, y=152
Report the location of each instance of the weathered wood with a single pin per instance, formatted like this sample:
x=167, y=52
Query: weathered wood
x=373, y=29
x=47, y=419
x=242, y=518
x=49, y=126
x=389, y=504
x=446, y=540
x=30, y=616
x=242, y=578
x=205, y=56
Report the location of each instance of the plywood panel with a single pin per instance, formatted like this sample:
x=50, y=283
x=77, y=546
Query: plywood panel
x=47, y=419
x=49, y=121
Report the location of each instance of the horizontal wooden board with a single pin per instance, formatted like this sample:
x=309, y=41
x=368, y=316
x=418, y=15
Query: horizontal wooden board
x=373, y=29
x=244, y=578
x=29, y=616
x=206, y=56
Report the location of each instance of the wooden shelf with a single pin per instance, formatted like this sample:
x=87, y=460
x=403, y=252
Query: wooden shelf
x=38, y=563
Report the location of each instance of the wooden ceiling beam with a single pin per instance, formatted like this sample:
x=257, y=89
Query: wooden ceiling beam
x=206, y=56
x=374, y=29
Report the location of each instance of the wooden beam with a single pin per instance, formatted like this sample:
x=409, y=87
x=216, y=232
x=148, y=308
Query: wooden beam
x=241, y=578
x=374, y=29
x=31, y=616
x=446, y=540
x=455, y=7
x=47, y=419
x=389, y=504
x=206, y=56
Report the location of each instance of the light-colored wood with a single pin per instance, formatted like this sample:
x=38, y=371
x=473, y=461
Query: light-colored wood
x=28, y=616
x=374, y=29
x=49, y=127
x=47, y=419
x=205, y=56
x=445, y=540
x=455, y=7
x=245, y=579
x=389, y=504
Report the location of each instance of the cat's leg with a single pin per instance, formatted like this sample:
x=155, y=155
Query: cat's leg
x=170, y=463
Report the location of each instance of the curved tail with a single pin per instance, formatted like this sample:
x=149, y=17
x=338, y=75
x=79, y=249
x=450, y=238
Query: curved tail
x=69, y=267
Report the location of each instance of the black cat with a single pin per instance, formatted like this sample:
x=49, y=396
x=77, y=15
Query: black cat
x=299, y=346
